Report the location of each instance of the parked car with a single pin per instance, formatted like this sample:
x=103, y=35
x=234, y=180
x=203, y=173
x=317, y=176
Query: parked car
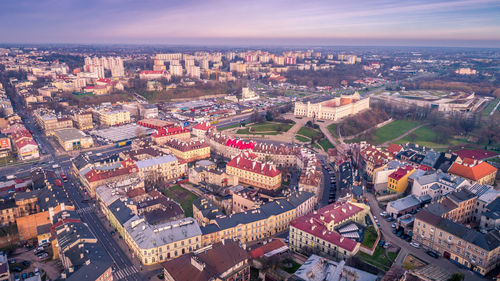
x=432, y=254
x=26, y=263
x=16, y=278
x=11, y=261
x=394, y=231
x=24, y=275
x=16, y=269
x=415, y=244
x=393, y=225
x=37, y=271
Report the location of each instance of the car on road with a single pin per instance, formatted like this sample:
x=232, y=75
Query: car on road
x=415, y=244
x=432, y=254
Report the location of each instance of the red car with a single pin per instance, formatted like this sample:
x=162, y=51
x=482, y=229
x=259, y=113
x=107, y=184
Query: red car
x=64, y=178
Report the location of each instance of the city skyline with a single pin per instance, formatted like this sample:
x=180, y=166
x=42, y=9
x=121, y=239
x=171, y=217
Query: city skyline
x=462, y=23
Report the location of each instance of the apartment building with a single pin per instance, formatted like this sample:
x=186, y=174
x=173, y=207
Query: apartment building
x=253, y=172
x=457, y=206
x=49, y=122
x=83, y=120
x=162, y=135
x=189, y=151
x=398, y=180
x=81, y=255
x=211, y=176
x=318, y=232
x=478, y=251
x=112, y=117
x=224, y=261
x=474, y=170
x=263, y=222
x=436, y=184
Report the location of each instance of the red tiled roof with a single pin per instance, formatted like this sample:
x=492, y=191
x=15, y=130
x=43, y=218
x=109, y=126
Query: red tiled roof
x=401, y=172
x=271, y=246
x=472, y=169
x=246, y=161
x=315, y=224
x=477, y=154
x=97, y=175
x=24, y=142
x=170, y=131
x=239, y=144
x=203, y=126
x=393, y=149
x=186, y=146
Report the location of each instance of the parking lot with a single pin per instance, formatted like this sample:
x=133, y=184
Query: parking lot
x=25, y=262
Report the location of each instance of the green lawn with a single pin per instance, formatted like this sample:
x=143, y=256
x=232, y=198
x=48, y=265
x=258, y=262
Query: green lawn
x=308, y=132
x=266, y=128
x=293, y=268
x=302, y=139
x=333, y=129
x=370, y=236
x=325, y=143
x=378, y=258
x=183, y=197
x=393, y=130
x=490, y=106
x=426, y=136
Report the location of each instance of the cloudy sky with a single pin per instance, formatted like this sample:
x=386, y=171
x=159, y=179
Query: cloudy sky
x=270, y=22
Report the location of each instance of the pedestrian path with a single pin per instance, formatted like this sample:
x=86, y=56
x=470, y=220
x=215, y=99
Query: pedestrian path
x=125, y=272
x=86, y=210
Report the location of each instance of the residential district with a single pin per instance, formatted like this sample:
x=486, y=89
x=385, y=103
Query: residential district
x=213, y=165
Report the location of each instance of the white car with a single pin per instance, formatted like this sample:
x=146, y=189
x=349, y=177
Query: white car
x=415, y=244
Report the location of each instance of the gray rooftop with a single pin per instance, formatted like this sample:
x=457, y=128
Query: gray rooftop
x=405, y=203
x=70, y=134
x=148, y=236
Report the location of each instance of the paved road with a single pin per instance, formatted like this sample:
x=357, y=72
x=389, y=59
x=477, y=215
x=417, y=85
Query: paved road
x=125, y=269
x=405, y=246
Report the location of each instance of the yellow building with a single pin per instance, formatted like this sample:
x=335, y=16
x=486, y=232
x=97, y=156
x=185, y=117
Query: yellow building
x=263, y=222
x=333, y=109
x=253, y=172
x=73, y=139
x=319, y=232
x=398, y=180
x=475, y=250
x=108, y=117
x=189, y=151
x=83, y=120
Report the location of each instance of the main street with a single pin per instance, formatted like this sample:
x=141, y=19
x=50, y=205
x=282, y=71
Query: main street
x=124, y=267
x=406, y=248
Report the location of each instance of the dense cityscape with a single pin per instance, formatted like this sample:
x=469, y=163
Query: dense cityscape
x=318, y=141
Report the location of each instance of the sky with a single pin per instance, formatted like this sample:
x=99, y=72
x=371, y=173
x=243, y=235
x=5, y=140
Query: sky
x=470, y=23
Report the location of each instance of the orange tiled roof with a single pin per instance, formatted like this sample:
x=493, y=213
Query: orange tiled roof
x=472, y=169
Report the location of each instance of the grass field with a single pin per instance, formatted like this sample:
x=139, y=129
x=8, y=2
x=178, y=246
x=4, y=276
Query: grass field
x=308, y=132
x=183, y=197
x=325, y=143
x=490, y=106
x=426, y=137
x=333, y=130
x=370, y=236
x=266, y=128
x=393, y=130
x=302, y=139
x=378, y=258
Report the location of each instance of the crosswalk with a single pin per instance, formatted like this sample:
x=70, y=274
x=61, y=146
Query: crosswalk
x=86, y=210
x=125, y=272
